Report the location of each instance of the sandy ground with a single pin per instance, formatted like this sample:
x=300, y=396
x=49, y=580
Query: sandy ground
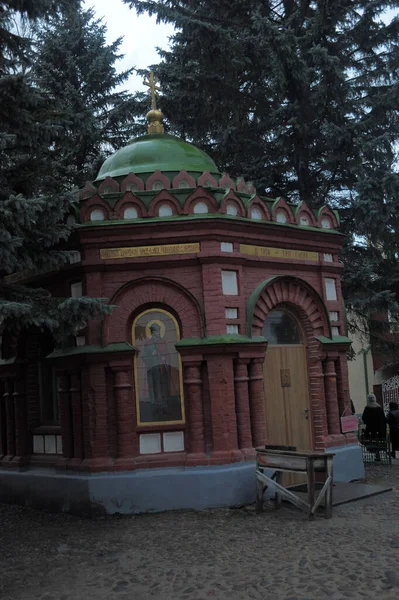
x=218, y=554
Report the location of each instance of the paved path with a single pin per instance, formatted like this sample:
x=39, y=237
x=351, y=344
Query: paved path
x=213, y=555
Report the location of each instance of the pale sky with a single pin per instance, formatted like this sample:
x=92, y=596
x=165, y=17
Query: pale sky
x=141, y=35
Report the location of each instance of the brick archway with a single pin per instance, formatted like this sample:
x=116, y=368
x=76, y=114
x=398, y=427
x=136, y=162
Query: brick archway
x=301, y=299
x=152, y=291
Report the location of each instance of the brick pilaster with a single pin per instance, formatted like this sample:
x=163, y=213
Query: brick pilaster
x=257, y=402
x=242, y=403
x=330, y=386
x=221, y=389
x=193, y=389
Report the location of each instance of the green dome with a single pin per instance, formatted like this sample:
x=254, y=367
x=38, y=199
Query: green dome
x=154, y=152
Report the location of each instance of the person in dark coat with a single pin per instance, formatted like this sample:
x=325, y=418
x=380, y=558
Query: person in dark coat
x=374, y=419
x=393, y=421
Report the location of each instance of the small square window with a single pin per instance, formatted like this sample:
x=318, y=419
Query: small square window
x=231, y=313
x=335, y=331
x=232, y=329
x=59, y=444
x=328, y=257
x=229, y=283
x=76, y=289
x=50, y=444
x=80, y=340
x=226, y=246
x=150, y=443
x=38, y=444
x=173, y=441
x=331, y=291
x=333, y=315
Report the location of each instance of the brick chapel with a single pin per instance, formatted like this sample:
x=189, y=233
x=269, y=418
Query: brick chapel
x=228, y=332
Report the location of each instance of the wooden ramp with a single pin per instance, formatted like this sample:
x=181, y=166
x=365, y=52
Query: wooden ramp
x=345, y=492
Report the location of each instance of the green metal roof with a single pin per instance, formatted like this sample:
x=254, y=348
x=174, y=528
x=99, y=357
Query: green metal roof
x=161, y=152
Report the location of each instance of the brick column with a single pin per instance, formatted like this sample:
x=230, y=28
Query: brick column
x=20, y=412
x=257, y=402
x=193, y=394
x=330, y=386
x=95, y=419
x=77, y=417
x=10, y=417
x=65, y=414
x=242, y=403
x=343, y=386
x=125, y=422
x=223, y=414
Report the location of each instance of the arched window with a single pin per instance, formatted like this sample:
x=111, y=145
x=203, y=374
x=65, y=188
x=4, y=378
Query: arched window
x=232, y=210
x=97, y=215
x=256, y=214
x=157, y=368
x=282, y=328
x=281, y=216
x=326, y=223
x=130, y=212
x=165, y=210
x=304, y=220
x=200, y=208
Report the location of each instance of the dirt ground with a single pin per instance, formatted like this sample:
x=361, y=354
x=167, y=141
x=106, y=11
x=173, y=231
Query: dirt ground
x=229, y=554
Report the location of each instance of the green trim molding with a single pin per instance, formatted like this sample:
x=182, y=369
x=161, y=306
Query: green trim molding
x=214, y=340
x=337, y=339
x=92, y=349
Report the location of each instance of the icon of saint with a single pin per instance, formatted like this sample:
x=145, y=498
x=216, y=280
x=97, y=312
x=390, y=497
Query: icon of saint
x=155, y=352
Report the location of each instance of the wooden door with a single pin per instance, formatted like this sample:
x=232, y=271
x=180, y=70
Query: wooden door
x=287, y=397
x=287, y=404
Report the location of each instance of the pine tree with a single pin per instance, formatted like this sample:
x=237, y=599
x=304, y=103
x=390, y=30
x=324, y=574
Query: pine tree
x=75, y=70
x=31, y=224
x=301, y=97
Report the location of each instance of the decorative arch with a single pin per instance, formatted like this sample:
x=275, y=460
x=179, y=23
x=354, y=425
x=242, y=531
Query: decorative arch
x=132, y=183
x=156, y=177
x=87, y=192
x=256, y=202
x=129, y=199
x=281, y=205
x=290, y=291
x=207, y=180
x=147, y=292
x=93, y=203
x=303, y=210
x=326, y=212
x=226, y=182
x=200, y=195
x=232, y=198
x=164, y=197
x=184, y=177
x=108, y=186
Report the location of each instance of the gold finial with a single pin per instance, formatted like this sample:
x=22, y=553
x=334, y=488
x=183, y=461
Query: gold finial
x=154, y=116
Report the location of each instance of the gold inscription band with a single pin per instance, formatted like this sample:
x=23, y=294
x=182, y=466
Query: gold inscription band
x=278, y=253
x=139, y=251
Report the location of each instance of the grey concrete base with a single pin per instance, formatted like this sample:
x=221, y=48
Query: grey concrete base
x=348, y=462
x=149, y=490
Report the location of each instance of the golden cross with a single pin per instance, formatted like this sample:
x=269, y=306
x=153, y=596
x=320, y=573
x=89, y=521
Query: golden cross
x=150, y=83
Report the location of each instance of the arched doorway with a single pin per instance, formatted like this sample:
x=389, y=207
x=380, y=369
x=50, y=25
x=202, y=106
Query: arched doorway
x=287, y=403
